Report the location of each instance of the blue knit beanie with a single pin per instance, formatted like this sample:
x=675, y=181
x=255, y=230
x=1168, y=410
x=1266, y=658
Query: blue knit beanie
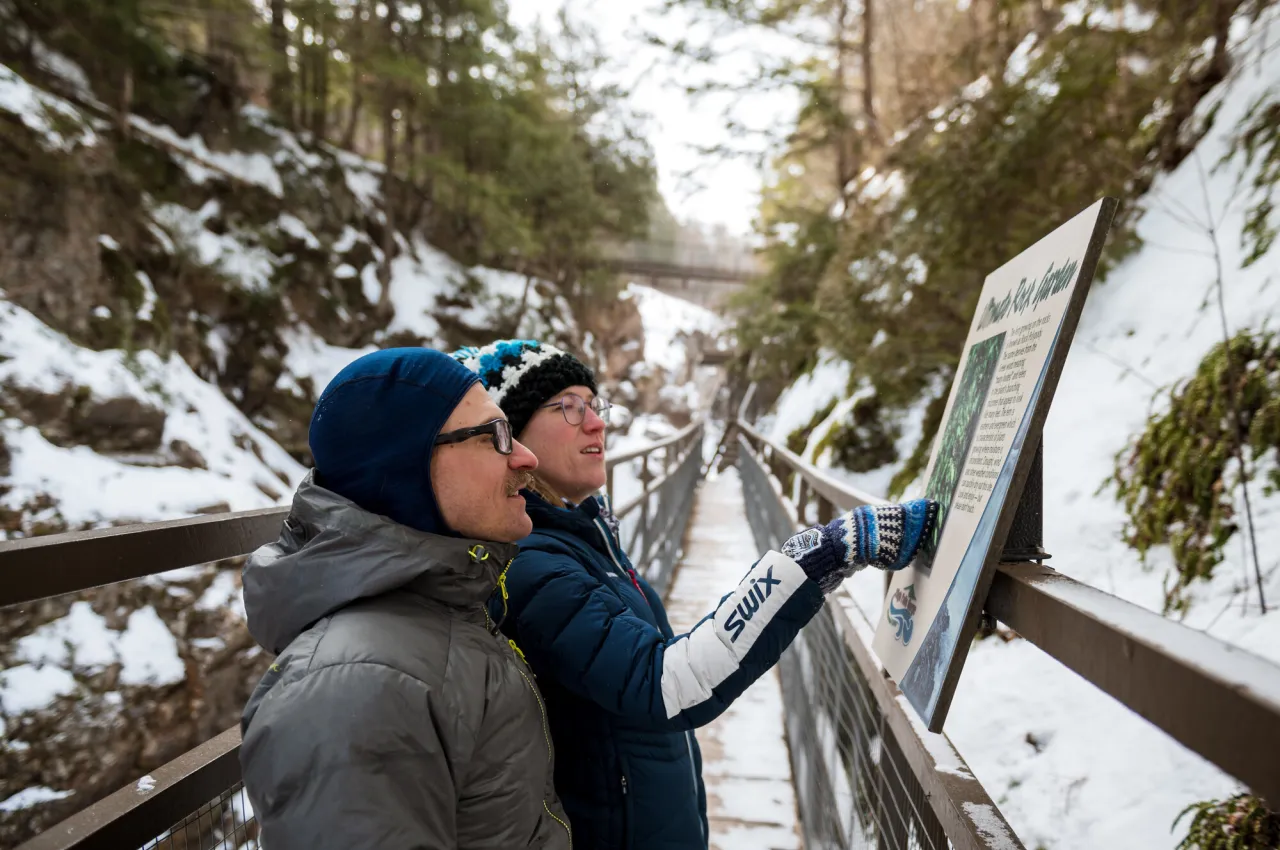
x=374, y=427
x=521, y=374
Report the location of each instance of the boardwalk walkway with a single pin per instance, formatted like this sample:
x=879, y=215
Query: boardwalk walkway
x=750, y=800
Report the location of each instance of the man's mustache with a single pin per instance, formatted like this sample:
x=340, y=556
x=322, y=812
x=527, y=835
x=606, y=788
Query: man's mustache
x=519, y=483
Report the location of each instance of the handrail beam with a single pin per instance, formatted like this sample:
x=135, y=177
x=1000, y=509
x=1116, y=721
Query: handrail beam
x=1221, y=701
x=1216, y=699
x=829, y=487
x=136, y=814
x=654, y=487
x=653, y=447
x=34, y=568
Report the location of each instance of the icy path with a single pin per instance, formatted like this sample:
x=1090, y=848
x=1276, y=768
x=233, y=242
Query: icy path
x=750, y=800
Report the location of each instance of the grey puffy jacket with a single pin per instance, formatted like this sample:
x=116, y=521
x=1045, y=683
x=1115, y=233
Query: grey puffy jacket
x=393, y=718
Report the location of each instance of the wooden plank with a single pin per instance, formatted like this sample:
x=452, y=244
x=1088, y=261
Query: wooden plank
x=745, y=764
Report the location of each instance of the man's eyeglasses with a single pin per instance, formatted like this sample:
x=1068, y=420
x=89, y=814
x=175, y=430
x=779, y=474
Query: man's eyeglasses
x=574, y=407
x=499, y=430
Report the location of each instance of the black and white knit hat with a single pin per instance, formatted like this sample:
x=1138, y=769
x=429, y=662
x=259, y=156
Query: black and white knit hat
x=521, y=374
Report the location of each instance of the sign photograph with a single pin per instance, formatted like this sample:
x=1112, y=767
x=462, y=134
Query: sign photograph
x=1026, y=316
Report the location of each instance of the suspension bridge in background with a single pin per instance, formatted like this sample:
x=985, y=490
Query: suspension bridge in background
x=853, y=768
x=685, y=268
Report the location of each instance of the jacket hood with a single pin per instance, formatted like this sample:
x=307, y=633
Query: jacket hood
x=331, y=553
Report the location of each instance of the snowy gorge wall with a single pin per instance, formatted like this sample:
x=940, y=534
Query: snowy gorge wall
x=154, y=375
x=1069, y=766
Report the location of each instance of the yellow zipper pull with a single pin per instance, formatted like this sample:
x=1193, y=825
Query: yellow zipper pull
x=519, y=652
x=502, y=585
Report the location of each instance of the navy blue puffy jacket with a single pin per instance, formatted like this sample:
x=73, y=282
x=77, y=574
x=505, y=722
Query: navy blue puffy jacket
x=622, y=692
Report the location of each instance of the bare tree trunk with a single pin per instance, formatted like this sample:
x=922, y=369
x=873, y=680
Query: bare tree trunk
x=903, y=107
x=388, y=200
x=126, y=103
x=868, y=76
x=353, y=120
x=357, y=89
x=320, y=76
x=411, y=148
x=842, y=132
x=281, y=79
x=302, y=106
x=220, y=110
x=388, y=180
x=993, y=47
x=524, y=304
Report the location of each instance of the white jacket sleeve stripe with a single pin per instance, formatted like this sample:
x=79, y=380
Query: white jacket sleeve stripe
x=713, y=651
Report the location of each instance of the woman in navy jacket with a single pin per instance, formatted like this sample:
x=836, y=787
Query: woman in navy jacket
x=623, y=692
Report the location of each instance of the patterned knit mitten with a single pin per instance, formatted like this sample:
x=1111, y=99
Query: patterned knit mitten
x=883, y=536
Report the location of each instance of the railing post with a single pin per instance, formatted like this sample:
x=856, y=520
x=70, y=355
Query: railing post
x=826, y=511
x=645, y=478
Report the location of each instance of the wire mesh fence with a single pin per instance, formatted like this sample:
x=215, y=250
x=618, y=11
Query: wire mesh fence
x=224, y=823
x=657, y=531
x=853, y=784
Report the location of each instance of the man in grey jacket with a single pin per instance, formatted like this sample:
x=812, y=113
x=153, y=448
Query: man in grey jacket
x=396, y=716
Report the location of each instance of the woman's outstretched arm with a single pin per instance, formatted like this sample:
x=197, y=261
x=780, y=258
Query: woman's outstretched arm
x=576, y=630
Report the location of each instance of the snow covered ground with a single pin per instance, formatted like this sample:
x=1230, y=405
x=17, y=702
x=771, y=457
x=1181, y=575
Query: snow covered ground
x=1069, y=766
x=244, y=465
x=666, y=320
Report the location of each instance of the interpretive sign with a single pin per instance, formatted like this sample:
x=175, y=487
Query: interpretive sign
x=1026, y=316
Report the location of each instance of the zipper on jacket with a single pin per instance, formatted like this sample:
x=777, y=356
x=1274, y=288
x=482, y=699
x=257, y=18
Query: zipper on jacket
x=562, y=823
x=631, y=574
x=546, y=731
x=693, y=771
x=624, y=785
x=604, y=535
x=502, y=586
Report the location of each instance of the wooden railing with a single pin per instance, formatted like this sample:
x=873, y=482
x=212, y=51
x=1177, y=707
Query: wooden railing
x=179, y=796
x=1218, y=700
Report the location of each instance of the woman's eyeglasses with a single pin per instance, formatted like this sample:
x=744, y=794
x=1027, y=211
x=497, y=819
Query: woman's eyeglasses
x=499, y=430
x=574, y=407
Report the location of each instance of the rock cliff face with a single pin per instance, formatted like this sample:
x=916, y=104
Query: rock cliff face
x=173, y=297
x=129, y=676
x=168, y=314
